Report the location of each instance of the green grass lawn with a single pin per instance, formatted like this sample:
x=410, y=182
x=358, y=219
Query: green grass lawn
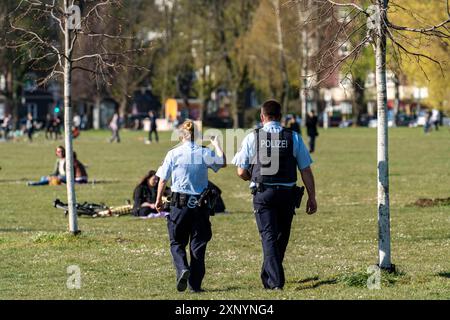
x=327, y=257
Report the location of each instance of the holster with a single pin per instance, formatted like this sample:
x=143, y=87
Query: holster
x=298, y=195
x=177, y=200
x=208, y=200
x=259, y=187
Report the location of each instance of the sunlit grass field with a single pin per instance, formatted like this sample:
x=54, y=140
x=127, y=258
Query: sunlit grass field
x=327, y=257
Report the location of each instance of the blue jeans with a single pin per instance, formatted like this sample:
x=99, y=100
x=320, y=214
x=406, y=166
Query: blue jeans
x=44, y=181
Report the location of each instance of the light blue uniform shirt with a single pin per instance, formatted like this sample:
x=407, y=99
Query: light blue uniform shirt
x=243, y=157
x=188, y=166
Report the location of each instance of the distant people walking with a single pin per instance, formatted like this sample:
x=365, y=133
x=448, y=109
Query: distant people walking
x=294, y=126
x=77, y=121
x=48, y=126
x=56, y=127
x=153, y=127
x=428, y=122
x=29, y=127
x=114, y=125
x=6, y=126
x=435, y=119
x=311, y=127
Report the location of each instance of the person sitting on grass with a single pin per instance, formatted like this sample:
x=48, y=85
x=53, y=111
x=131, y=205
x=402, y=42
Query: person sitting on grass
x=81, y=175
x=145, y=195
x=59, y=173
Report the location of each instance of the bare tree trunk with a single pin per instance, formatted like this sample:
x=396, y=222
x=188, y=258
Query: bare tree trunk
x=283, y=67
x=71, y=198
x=397, y=98
x=384, y=241
x=14, y=100
x=303, y=94
x=123, y=104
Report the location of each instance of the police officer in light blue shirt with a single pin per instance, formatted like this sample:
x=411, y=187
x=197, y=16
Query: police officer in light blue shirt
x=269, y=158
x=188, y=166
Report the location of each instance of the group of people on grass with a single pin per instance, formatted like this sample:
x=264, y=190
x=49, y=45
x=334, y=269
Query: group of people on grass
x=311, y=123
x=144, y=195
x=53, y=127
x=116, y=122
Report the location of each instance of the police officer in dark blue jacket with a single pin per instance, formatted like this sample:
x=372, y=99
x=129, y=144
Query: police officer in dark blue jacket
x=269, y=158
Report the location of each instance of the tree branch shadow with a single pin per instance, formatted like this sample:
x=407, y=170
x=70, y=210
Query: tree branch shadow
x=314, y=282
x=445, y=274
x=226, y=289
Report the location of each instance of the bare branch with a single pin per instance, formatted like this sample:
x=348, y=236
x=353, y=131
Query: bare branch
x=433, y=31
x=339, y=4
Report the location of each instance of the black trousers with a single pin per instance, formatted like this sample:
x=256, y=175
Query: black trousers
x=150, y=134
x=189, y=226
x=30, y=134
x=312, y=143
x=274, y=211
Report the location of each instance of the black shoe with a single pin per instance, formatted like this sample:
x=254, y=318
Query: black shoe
x=183, y=280
x=192, y=290
x=277, y=288
x=196, y=290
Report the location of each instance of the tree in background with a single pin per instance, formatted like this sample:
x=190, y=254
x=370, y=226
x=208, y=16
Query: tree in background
x=361, y=24
x=52, y=46
x=274, y=48
x=139, y=20
x=420, y=70
x=13, y=63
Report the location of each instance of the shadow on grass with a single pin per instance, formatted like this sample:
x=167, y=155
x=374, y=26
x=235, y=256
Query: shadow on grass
x=15, y=230
x=226, y=289
x=314, y=282
x=94, y=182
x=13, y=181
x=444, y=275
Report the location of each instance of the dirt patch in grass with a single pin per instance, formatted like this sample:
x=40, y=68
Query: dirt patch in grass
x=426, y=203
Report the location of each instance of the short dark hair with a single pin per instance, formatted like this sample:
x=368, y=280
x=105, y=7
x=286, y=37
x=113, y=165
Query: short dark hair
x=271, y=109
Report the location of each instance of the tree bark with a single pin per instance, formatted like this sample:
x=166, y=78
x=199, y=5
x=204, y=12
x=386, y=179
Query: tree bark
x=283, y=67
x=71, y=197
x=303, y=94
x=384, y=243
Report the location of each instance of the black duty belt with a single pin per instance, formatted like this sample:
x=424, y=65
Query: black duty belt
x=297, y=196
x=185, y=200
x=260, y=187
x=278, y=187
